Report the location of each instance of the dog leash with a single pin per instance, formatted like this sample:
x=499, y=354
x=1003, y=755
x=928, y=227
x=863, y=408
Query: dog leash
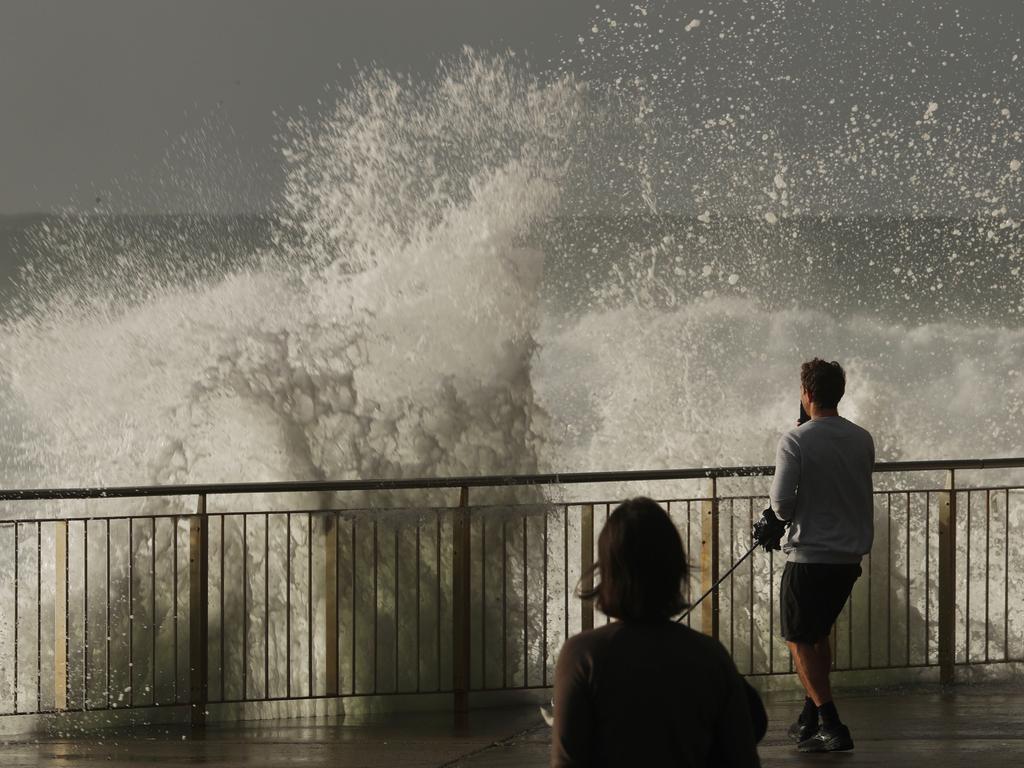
x=718, y=583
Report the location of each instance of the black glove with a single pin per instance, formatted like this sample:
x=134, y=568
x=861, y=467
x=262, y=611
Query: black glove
x=768, y=530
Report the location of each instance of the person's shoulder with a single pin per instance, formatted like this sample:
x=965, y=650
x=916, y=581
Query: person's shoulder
x=697, y=643
x=588, y=640
x=791, y=437
x=854, y=427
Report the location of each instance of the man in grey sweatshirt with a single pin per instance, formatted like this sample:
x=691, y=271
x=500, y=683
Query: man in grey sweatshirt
x=822, y=487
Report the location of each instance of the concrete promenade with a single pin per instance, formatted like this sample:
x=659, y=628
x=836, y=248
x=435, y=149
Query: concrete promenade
x=971, y=725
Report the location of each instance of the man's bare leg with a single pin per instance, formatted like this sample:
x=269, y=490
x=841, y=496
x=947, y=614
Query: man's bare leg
x=813, y=662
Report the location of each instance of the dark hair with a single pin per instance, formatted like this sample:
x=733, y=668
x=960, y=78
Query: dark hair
x=825, y=383
x=641, y=563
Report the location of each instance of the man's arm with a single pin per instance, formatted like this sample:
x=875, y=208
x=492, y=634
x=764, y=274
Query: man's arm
x=787, y=477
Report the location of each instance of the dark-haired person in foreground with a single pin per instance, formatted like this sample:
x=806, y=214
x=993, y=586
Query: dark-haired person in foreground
x=644, y=690
x=823, y=487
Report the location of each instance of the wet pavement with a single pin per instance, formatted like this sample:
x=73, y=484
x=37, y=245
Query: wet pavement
x=980, y=726
x=971, y=725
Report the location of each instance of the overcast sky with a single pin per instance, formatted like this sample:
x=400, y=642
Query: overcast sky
x=97, y=95
x=96, y=92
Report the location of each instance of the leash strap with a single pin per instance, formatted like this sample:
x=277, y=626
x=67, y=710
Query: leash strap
x=715, y=586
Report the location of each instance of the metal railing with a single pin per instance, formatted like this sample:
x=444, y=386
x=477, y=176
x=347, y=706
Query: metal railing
x=174, y=609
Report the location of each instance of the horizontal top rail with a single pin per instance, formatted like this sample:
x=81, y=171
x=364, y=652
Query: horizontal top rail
x=478, y=481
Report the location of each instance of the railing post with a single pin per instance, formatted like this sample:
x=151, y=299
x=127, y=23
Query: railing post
x=461, y=608
x=947, y=581
x=198, y=613
x=709, y=561
x=587, y=562
x=331, y=602
x=60, y=616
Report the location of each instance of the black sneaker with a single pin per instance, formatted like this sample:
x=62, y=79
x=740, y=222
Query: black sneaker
x=801, y=731
x=833, y=738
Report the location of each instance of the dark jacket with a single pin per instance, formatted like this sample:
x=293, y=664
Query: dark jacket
x=651, y=694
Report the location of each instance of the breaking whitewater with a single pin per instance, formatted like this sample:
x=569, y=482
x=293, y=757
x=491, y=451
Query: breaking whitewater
x=441, y=296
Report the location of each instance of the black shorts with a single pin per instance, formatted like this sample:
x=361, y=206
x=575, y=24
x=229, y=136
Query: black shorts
x=812, y=597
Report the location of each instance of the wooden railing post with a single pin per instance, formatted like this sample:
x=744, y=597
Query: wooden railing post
x=198, y=613
x=461, y=608
x=947, y=581
x=709, y=561
x=587, y=562
x=331, y=603
x=60, y=616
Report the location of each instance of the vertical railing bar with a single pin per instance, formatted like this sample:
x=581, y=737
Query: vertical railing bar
x=907, y=628
x=732, y=580
x=353, y=560
x=85, y=615
x=483, y=602
x=544, y=608
x=526, y=609
x=967, y=579
x=988, y=543
x=565, y=568
x=461, y=608
x=927, y=575
x=586, y=563
x=17, y=622
x=376, y=600
x=607, y=513
x=332, y=677
x=309, y=600
x=709, y=562
x=336, y=650
x=771, y=612
x=337, y=604
x=221, y=600
x=437, y=560
x=398, y=625
x=419, y=604
x=245, y=607
x=947, y=580
x=266, y=606
x=504, y=603
x=1006, y=576
x=152, y=622
x=109, y=628
x=67, y=635
x=288, y=606
x=174, y=546
x=750, y=523
x=131, y=612
x=199, y=616
x=17, y=557
x=888, y=578
x=689, y=523
x=39, y=616
x=60, y=615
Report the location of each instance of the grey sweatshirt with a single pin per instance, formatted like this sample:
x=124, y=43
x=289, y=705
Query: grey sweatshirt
x=823, y=485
